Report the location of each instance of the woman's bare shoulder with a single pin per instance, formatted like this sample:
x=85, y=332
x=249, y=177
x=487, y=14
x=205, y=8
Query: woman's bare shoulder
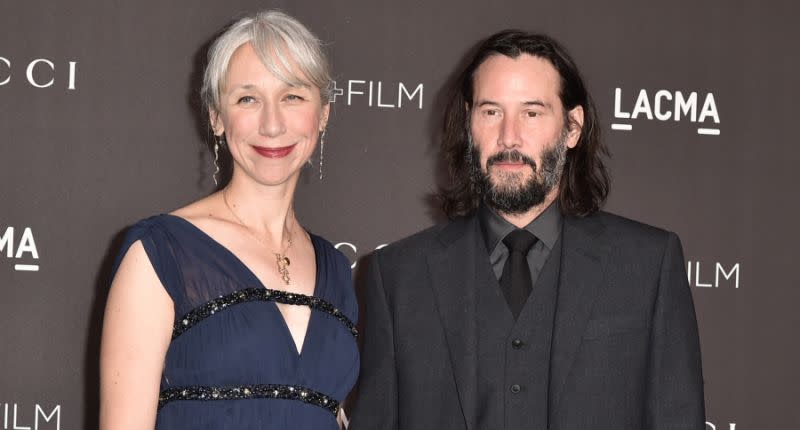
x=200, y=211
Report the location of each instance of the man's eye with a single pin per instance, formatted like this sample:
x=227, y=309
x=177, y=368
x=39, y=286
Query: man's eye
x=491, y=112
x=294, y=97
x=532, y=114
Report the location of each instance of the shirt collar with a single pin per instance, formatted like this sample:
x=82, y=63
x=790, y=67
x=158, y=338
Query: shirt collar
x=546, y=227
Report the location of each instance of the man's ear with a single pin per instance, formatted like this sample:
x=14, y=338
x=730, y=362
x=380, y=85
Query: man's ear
x=575, y=124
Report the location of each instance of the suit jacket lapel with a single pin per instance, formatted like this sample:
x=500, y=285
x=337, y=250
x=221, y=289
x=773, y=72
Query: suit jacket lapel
x=454, y=279
x=584, y=249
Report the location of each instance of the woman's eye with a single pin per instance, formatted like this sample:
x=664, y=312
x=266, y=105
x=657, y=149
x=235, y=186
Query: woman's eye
x=246, y=100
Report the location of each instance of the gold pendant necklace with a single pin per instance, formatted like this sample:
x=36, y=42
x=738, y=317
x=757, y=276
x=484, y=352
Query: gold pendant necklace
x=283, y=264
x=281, y=258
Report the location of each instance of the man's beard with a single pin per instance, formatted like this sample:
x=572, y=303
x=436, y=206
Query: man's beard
x=512, y=194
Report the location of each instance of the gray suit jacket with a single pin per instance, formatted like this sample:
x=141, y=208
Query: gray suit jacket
x=625, y=351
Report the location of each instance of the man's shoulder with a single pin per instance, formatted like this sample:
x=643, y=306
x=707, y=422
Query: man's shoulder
x=628, y=237
x=416, y=243
x=424, y=242
x=627, y=227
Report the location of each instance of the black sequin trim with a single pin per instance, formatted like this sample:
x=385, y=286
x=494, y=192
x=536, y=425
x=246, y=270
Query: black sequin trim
x=258, y=294
x=268, y=391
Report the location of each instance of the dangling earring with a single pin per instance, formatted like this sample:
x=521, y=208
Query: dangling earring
x=321, y=151
x=219, y=142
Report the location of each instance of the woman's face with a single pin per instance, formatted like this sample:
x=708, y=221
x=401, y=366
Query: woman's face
x=271, y=127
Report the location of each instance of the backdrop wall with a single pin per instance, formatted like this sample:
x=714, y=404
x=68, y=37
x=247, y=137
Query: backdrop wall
x=99, y=127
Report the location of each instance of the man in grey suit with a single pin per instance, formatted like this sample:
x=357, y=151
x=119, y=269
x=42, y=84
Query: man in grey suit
x=531, y=309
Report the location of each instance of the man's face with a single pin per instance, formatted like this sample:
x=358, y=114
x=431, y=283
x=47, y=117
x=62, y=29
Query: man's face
x=519, y=133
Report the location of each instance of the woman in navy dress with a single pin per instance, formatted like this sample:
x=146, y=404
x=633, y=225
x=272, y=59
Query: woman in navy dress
x=226, y=313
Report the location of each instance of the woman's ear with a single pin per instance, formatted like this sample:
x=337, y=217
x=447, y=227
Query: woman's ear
x=323, y=119
x=216, y=123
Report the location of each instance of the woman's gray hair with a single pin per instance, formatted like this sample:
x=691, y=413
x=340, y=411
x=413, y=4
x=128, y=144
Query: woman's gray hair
x=279, y=41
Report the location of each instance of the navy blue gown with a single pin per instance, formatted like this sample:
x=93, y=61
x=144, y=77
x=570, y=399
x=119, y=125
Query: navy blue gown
x=232, y=362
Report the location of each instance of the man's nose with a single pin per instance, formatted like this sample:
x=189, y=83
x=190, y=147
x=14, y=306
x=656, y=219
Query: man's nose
x=509, y=133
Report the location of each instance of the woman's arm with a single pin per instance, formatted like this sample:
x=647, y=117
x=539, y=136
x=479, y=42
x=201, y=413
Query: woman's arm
x=137, y=329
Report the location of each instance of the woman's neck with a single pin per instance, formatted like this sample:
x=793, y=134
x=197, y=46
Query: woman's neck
x=267, y=211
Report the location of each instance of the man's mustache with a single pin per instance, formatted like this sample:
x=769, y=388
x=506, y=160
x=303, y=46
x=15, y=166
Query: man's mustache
x=513, y=156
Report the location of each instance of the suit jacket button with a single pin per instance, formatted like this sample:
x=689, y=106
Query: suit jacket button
x=516, y=388
x=516, y=344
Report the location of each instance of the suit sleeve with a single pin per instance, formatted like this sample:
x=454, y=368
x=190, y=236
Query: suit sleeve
x=376, y=402
x=675, y=383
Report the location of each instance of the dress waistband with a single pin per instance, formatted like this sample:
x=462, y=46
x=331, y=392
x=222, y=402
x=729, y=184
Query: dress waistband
x=262, y=391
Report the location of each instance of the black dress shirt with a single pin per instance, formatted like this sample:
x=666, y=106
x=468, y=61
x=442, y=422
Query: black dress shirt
x=546, y=227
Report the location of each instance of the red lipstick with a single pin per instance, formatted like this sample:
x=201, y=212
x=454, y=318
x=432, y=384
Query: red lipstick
x=274, y=152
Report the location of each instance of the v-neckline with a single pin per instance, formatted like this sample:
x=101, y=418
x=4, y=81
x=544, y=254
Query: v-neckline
x=249, y=272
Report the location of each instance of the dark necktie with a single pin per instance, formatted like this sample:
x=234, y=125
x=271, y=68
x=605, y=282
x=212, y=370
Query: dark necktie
x=516, y=278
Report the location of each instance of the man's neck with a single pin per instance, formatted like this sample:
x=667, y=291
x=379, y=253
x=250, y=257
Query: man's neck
x=523, y=219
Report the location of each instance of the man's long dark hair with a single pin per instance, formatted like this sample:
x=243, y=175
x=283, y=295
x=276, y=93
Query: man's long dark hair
x=584, y=182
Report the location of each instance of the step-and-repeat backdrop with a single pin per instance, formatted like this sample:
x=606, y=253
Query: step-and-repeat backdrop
x=100, y=127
